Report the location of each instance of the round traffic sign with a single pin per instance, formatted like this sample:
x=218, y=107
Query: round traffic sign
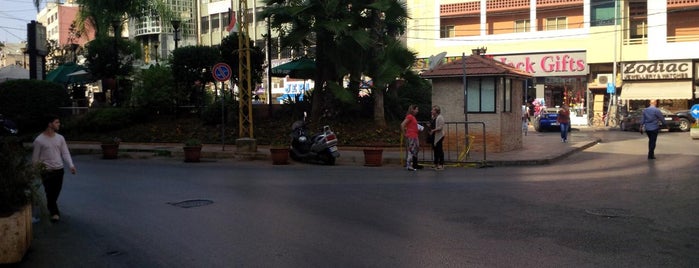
x=694, y=111
x=221, y=72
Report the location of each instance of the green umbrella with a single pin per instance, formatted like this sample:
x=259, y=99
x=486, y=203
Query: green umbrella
x=61, y=74
x=302, y=68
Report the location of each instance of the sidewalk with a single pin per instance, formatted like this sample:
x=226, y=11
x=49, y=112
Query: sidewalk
x=539, y=148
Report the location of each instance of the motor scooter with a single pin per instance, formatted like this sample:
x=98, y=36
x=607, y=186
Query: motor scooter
x=319, y=147
x=9, y=128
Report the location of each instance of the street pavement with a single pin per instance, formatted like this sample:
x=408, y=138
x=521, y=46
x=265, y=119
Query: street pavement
x=538, y=148
x=605, y=206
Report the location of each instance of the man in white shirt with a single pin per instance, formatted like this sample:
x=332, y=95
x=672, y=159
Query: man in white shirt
x=50, y=152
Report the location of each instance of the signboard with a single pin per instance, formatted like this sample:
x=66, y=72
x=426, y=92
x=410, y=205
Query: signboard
x=656, y=70
x=537, y=64
x=221, y=72
x=611, y=89
x=695, y=111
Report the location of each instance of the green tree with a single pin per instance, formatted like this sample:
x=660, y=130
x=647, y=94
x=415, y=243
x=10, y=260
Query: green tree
x=191, y=67
x=155, y=91
x=229, y=54
x=352, y=38
x=303, y=23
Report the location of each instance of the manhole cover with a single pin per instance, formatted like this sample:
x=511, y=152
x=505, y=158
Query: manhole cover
x=609, y=212
x=192, y=203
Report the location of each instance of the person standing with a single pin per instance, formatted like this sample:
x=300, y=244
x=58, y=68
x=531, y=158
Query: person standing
x=650, y=123
x=410, y=127
x=437, y=136
x=563, y=120
x=50, y=152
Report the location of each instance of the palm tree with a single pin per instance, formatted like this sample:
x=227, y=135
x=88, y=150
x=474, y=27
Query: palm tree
x=351, y=37
x=314, y=23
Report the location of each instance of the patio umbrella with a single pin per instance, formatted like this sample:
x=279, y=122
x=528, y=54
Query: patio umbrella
x=79, y=77
x=302, y=68
x=60, y=74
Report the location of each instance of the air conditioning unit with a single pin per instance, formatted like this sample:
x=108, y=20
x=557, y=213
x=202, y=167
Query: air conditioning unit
x=603, y=79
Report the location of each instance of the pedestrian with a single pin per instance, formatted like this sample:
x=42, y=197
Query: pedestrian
x=437, y=137
x=50, y=153
x=410, y=127
x=563, y=120
x=650, y=123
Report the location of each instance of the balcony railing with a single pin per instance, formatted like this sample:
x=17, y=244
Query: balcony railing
x=683, y=38
x=466, y=8
x=671, y=4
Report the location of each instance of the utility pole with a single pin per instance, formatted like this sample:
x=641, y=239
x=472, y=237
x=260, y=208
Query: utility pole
x=245, y=129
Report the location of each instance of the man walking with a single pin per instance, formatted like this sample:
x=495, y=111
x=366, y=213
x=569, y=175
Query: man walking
x=650, y=123
x=50, y=152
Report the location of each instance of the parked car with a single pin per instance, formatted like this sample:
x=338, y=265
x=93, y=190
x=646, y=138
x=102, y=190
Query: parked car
x=546, y=120
x=686, y=119
x=632, y=120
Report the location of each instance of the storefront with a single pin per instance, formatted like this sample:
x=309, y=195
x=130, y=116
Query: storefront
x=558, y=78
x=670, y=82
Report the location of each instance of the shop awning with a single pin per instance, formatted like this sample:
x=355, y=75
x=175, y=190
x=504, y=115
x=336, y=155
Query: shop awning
x=657, y=90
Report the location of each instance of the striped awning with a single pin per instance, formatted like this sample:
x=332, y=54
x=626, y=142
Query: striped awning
x=668, y=90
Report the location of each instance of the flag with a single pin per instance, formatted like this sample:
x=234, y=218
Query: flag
x=233, y=24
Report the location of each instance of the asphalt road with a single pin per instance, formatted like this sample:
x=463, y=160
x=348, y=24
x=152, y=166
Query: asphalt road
x=604, y=207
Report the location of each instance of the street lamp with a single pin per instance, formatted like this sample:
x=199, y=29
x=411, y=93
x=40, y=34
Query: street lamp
x=176, y=26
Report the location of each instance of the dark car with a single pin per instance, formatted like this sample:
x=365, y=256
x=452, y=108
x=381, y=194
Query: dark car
x=546, y=120
x=686, y=119
x=632, y=121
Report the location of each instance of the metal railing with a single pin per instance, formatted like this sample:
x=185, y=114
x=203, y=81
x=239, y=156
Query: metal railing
x=457, y=144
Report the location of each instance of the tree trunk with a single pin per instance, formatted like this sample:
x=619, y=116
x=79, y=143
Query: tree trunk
x=379, y=116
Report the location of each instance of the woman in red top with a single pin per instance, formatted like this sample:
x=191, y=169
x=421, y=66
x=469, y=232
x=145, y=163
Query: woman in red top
x=410, y=127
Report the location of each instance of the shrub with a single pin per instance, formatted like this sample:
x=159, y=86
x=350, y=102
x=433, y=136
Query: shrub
x=27, y=101
x=16, y=176
x=101, y=120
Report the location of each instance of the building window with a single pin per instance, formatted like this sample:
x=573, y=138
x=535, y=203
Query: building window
x=522, y=26
x=638, y=16
x=601, y=12
x=446, y=31
x=205, y=24
x=481, y=95
x=215, y=23
x=556, y=23
x=225, y=20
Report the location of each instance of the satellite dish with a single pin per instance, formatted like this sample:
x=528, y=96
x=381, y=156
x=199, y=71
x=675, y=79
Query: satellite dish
x=437, y=60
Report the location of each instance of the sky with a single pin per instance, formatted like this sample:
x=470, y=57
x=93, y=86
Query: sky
x=14, y=17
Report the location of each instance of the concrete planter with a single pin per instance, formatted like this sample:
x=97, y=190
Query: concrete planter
x=110, y=151
x=192, y=153
x=280, y=156
x=373, y=157
x=694, y=133
x=16, y=233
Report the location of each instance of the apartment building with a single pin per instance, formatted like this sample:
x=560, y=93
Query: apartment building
x=158, y=35
x=577, y=50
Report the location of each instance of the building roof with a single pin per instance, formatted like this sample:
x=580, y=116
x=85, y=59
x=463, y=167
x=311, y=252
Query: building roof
x=476, y=65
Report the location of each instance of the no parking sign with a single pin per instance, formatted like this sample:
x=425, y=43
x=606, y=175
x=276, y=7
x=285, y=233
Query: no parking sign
x=221, y=72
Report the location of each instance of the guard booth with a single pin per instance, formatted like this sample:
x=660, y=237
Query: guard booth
x=493, y=95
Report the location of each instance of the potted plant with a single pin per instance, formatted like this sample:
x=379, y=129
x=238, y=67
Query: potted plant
x=192, y=150
x=694, y=131
x=110, y=147
x=279, y=151
x=16, y=195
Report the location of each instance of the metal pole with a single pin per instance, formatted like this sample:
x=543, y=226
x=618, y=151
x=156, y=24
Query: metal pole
x=463, y=67
x=223, y=115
